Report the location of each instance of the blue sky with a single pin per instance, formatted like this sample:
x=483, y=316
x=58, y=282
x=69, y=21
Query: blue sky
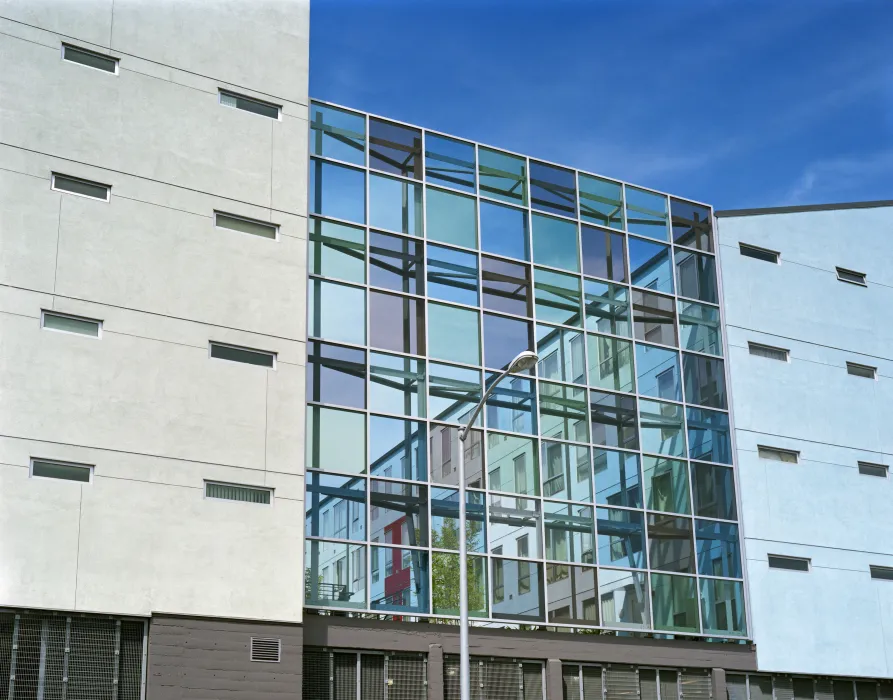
x=738, y=103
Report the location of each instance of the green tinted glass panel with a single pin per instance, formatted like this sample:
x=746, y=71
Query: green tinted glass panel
x=395, y=205
x=335, y=574
x=337, y=191
x=445, y=578
x=563, y=413
x=512, y=464
x=337, y=133
x=453, y=393
x=661, y=428
x=337, y=251
x=566, y=471
x=610, y=363
x=336, y=440
x=558, y=298
x=454, y=334
x=647, y=214
x=607, y=308
x=451, y=218
x=722, y=607
x=445, y=520
x=336, y=312
x=601, y=201
x=624, y=601
x=396, y=384
x=449, y=162
x=666, y=485
x=675, y=603
x=555, y=243
x=699, y=328
x=569, y=532
x=502, y=176
x=621, y=537
x=617, y=478
x=561, y=354
x=658, y=372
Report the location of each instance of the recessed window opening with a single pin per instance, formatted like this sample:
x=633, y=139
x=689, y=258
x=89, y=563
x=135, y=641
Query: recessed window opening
x=882, y=573
x=91, y=59
x=249, y=356
x=65, y=471
x=242, y=224
x=777, y=561
x=249, y=104
x=67, y=323
x=768, y=351
x=752, y=251
x=81, y=187
x=851, y=276
x=871, y=469
x=858, y=370
x=237, y=492
x=778, y=454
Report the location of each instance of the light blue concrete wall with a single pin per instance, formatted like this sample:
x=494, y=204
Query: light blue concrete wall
x=835, y=619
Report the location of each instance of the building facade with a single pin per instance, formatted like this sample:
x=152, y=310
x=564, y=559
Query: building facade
x=807, y=290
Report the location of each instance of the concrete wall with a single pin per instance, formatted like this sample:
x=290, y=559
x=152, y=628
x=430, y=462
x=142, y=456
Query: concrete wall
x=144, y=403
x=834, y=619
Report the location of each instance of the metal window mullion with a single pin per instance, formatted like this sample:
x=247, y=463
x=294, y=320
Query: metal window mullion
x=65, y=657
x=13, y=657
x=144, y=655
x=42, y=666
x=117, y=664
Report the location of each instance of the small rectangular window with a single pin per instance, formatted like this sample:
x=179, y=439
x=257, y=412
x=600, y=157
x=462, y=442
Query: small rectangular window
x=870, y=469
x=66, y=471
x=778, y=455
x=752, y=251
x=883, y=573
x=791, y=563
x=768, y=351
x=234, y=492
x=249, y=104
x=243, y=225
x=67, y=323
x=858, y=370
x=851, y=276
x=234, y=353
x=91, y=59
x=81, y=187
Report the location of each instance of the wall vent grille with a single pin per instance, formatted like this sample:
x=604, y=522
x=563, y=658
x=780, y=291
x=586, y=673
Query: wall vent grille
x=266, y=649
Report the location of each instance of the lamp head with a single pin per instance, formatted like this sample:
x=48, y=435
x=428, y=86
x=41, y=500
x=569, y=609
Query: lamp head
x=524, y=361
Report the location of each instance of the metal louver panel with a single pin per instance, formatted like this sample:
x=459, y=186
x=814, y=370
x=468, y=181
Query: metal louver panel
x=696, y=685
x=502, y=680
x=760, y=687
x=866, y=690
x=592, y=683
x=621, y=683
x=267, y=649
x=648, y=684
x=406, y=677
x=803, y=689
x=784, y=688
x=532, y=674
x=344, y=682
x=372, y=677
x=570, y=681
x=823, y=689
x=885, y=690
x=668, y=685
x=843, y=690
x=736, y=687
x=317, y=672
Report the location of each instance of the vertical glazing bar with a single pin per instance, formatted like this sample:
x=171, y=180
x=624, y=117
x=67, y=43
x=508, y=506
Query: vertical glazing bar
x=464, y=678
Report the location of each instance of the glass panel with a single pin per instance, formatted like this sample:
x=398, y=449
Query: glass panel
x=514, y=526
x=561, y=354
x=601, y=201
x=398, y=513
x=502, y=176
x=506, y=286
x=666, y=485
x=335, y=506
x=445, y=520
x=624, y=599
x=453, y=392
x=336, y=440
x=571, y=593
x=403, y=577
x=512, y=464
x=675, y=603
x=397, y=323
x=661, y=425
x=670, y=545
x=557, y=297
x=650, y=265
x=445, y=584
x=620, y=537
x=451, y=218
x=692, y=225
x=444, y=446
x=607, y=308
x=337, y=191
x=452, y=275
x=553, y=189
x=555, y=243
x=603, y=254
x=617, y=478
x=563, y=413
x=345, y=311
x=714, y=491
x=71, y=324
x=696, y=276
x=722, y=606
x=396, y=385
x=699, y=327
x=395, y=148
x=654, y=318
x=395, y=263
x=646, y=213
x=395, y=205
x=610, y=363
x=336, y=374
x=511, y=405
x=449, y=162
x=658, y=372
x=566, y=471
x=719, y=550
x=397, y=448
x=613, y=418
x=454, y=334
x=705, y=381
x=708, y=436
x=517, y=590
x=504, y=231
x=335, y=574
x=337, y=250
x=336, y=133
x=569, y=532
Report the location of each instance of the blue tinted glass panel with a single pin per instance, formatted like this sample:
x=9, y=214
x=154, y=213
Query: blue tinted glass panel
x=402, y=585
x=646, y=214
x=335, y=506
x=708, y=436
x=336, y=574
x=692, y=225
x=558, y=298
x=336, y=375
x=722, y=607
x=658, y=372
x=395, y=262
x=512, y=466
x=504, y=338
x=666, y=485
x=337, y=133
x=506, y=286
x=714, y=491
x=555, y=243
x=337, y=191
x=452, y=275
x=675, y=603
x=449, y=162
x=563, y=413
x=621, y=536
x=396, y=384
x=451, y=218
x=601, y=201
x=670, y=543
x=397, y=323
x=512, y=404
x=336, y=311
x=705, y=381
x=453, y=392
x=719, y=550
x=607, y=308
x=650, y=265
x=569, y=532
x=624, y=599
x=504, y=231
x=613, y=419
x=454, y=334
x=553, y=189
x=661, y=425
x=699, y=328
x=696, y=276
x=561, y=354
x=604, y=254
x=397, y=448
x=566, y=471
x=337, y=250
x=517, y=590
x=610, y=363
x=395, y=148
x=617, y=481
x=395, y=205
x=502, y=176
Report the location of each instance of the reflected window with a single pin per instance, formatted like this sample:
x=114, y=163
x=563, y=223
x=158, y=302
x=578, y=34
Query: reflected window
x=504, y=231
x=621, y=534
x=561, y=354
x=553, y=189
x=449, y=162
x=395, y=148
x=569, y=532
x=336, y=440
x=452, y=275
x=336, y=375
x=557, y=297
x=610, y=363
x=666, y=485
x=453, y=392
x=517, y=590
x=572, y=595
x=555, y=243
x=514, y=526
x=692, y=224
x=658, y=372
x=512, y=404
x=566, y=471
x=563, y=414
x=617, y=478
x=454, y=334
x=395, y=205
x=675, y=603
x=337, y=133
x=337, y=191
x=404, y=587
x=512, y=464
x=662, y=428
x=696, y=276
x=613, y=419
x=445, y=584
x=601, y=201
x=504, y=338
x=506, y=286
x=451, y=218
x=623, y=599
x=335, y=574
x=705, y=381
x=604, y=254
x=337, y=251
x=397, y=384
x=654, y=318
x=396, y=263
x=708, y=435
x=396, y=322
x=607, y=308
x=650, y=265
x=719, y=549
x=722, y=607
x=335, y=506
x=670, y=545
x=713, y=488
x=336, y=312
x=646, y=213
x=443, y=449
x=397, y=448
x=502, y=176
x=699, y=328
x=445, y=520
x=401, y=511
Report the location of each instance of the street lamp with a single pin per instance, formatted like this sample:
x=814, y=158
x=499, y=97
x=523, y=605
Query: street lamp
x=524, y=361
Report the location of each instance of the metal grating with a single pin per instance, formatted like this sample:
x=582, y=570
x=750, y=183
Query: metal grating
x=823, y=689
x=372, y=676
x=866, y=690
x=669, y=689
x=406, y=677
x=570, y=681
x=648, y=684
x=885, y=690
x=130, y=660
x=621, y=683
x=317, y=672
x=592, y=683
x=784, y=688
x=92, y=670
x=451, y=678
x=532, y=674
x=844, y=690
x=502, y=680
x=736, y=687
x=7, y=626
x=803, y=689
x=344, y=677
x=696, y=685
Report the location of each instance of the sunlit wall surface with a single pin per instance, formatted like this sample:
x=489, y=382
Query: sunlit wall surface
x=602, y=488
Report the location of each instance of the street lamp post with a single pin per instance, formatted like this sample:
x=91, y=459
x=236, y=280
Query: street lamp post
x=522, y=362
